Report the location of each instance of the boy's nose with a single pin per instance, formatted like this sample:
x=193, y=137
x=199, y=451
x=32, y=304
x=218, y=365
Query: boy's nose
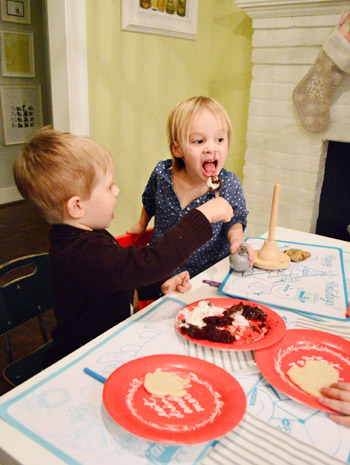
x=116, y=191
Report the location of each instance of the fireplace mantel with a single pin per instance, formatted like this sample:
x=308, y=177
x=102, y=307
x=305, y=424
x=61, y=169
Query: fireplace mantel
x=283, y=8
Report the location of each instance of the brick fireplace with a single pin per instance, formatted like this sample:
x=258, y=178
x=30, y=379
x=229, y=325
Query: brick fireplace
x=287, y=38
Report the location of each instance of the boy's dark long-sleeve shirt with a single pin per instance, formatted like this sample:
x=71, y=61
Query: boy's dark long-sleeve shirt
x=93, y=277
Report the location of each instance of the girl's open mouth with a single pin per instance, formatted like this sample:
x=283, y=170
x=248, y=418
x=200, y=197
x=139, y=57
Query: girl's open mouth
x=209, y=167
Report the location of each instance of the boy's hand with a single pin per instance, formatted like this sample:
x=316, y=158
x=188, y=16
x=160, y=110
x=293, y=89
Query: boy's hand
x=180, y=283
x=217, y=210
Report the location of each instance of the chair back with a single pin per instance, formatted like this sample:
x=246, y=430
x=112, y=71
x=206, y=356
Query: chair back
x=25, y=290
x=129, y=239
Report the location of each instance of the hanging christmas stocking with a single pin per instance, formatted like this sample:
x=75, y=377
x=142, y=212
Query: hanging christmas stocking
x=313, y=94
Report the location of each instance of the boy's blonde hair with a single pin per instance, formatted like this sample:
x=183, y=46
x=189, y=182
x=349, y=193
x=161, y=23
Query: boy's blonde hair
x=180, y=122
x=54, y=166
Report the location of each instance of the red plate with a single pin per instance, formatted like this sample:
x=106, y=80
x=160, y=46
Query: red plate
x=277, y=327
x=214, y=405
x=296, y=347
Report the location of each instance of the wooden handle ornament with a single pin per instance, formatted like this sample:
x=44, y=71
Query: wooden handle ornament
x=269, y=257
x=274, y=210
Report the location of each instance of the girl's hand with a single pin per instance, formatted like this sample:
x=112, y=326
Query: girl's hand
x=337, y=397
x=236, y=242
x=137, y=229
x=140, y=227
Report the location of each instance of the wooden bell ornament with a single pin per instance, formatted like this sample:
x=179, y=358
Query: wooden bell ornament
x=269, y=257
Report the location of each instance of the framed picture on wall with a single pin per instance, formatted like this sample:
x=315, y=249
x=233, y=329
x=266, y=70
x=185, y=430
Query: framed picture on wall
x=17, y=53
x=176, y=18
x=21, y=112
x=15, y=11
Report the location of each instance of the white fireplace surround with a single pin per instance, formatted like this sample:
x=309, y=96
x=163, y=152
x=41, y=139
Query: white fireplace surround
x=288, y=36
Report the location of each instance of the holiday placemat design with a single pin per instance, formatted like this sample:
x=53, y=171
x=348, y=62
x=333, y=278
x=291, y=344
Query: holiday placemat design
x=315, y=286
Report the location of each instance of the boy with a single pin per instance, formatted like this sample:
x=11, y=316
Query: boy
x=199, y=135
x=71, y=181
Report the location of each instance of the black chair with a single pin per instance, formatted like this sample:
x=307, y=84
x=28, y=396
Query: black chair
x=25, y=293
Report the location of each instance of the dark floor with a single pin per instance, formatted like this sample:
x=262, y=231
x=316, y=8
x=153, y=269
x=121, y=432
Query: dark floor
x=22, y=232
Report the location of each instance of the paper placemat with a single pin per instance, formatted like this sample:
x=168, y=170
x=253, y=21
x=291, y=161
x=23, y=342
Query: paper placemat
x=316, y=286
x=254, y=442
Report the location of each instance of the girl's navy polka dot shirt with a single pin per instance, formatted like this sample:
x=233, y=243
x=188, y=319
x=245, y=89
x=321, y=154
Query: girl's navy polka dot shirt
x=160, y=201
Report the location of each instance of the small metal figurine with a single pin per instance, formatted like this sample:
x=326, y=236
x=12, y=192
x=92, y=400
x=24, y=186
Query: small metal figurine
x=239, y=261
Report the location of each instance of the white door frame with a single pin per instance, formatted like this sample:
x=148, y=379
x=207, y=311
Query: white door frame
x=68, y=69
x=68, y=65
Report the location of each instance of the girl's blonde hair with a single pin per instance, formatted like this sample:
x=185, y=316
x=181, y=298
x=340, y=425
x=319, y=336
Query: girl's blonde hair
x=54, y=166
x=180, y=122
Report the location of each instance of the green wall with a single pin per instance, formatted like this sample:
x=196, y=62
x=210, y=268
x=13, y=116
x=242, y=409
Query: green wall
x=135, y=79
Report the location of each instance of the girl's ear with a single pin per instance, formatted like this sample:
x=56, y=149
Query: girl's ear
x=74, y=207
x=177, y=152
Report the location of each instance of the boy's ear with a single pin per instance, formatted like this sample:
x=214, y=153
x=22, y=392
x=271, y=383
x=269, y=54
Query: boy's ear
x=177, y=152
x=74, y=207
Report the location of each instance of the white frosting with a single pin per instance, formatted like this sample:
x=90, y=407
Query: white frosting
x=195, y=317
x=240, y=320
x=204, y=309
x=213, y=185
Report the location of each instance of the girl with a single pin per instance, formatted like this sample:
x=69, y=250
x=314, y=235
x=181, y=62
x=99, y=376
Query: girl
x=199, y=134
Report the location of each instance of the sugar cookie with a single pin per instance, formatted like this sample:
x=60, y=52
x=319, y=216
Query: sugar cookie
x=313, y=376
x=163, y=383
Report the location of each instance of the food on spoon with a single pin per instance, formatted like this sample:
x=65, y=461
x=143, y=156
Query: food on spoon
x=163, y=383
x=297, y=255
x=214, y=183
x=206, y=321
x=313, y=376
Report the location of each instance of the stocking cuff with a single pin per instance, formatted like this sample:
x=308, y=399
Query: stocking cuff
x=337, y=48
